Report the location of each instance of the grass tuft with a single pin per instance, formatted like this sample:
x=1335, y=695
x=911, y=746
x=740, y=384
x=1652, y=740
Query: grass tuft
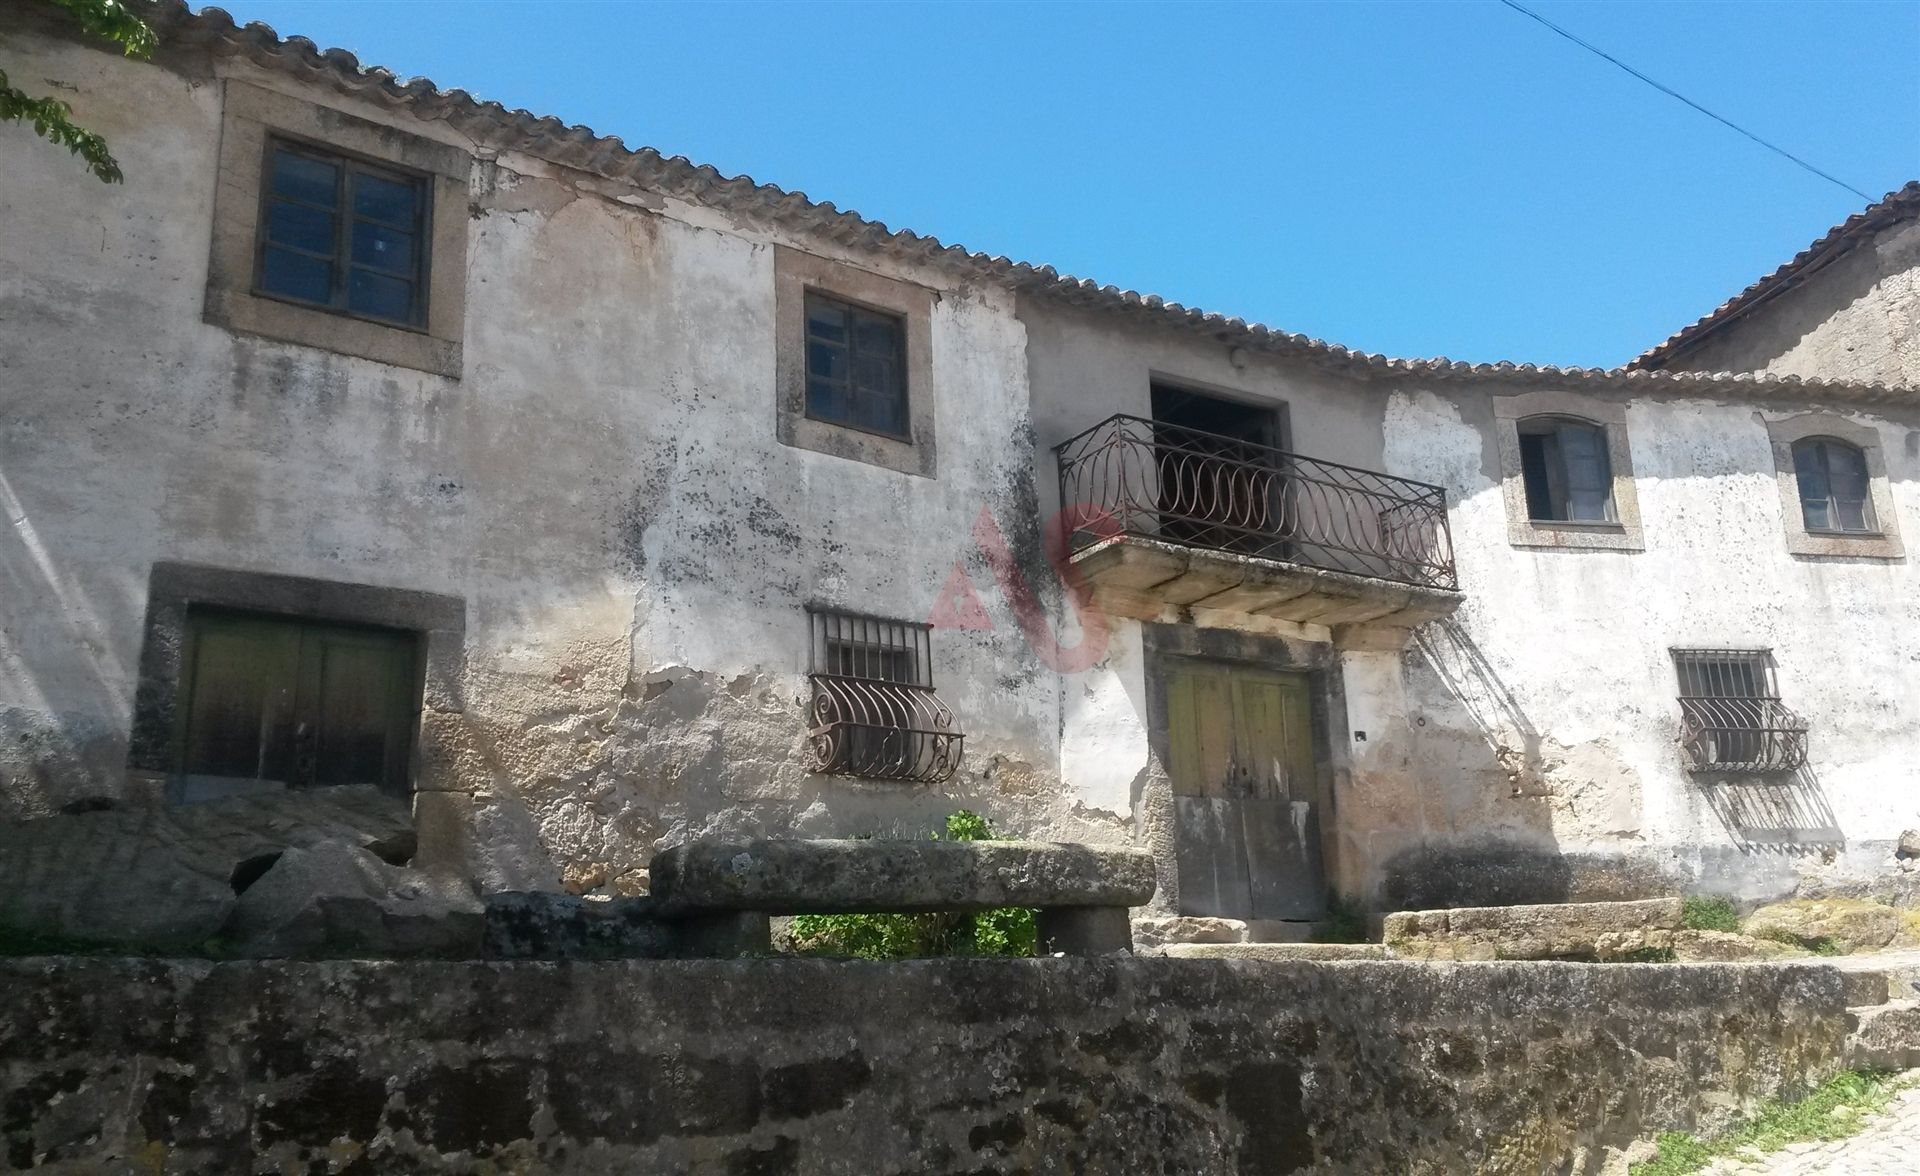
x=1835, y=1109
x=1708, y=913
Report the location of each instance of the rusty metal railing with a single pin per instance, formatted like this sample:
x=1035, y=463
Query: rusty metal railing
x=1154, y=480
x=1745, y=735
x=874, y=711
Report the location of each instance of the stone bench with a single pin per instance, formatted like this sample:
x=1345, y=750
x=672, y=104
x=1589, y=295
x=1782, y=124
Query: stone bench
x=1081, y=892
x=1574, y=930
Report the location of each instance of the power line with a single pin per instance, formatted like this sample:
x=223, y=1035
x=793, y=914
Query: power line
x=1668, y=90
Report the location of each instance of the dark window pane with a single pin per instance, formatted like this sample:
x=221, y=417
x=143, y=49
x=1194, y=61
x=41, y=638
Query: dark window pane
x=1815, y=515
x=383, y=248
x=291, y=275
x=825, y=361
x=305, y=178
x=826, y=400
x=1533, y=473
x=301, y=227
x=1810, y=468
x=1853, y=513
x=386, y=200
x=376, y=296
x=877, y=335
x=873, y=374
x=1846, y=471
x=826, y=321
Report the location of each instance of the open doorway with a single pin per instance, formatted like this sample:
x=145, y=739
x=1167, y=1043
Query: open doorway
x=1221, y=484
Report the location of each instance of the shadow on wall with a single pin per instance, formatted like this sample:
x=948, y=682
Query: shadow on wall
x=1471, y=680
x=1778, y=815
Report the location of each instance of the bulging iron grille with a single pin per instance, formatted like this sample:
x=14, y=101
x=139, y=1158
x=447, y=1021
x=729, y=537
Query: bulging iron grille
x=1731, y=716
x=1149, y=479
x=874, y=711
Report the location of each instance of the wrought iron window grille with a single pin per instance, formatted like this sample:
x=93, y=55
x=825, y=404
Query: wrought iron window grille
x=874, y=712
x=1731, y=717
x=1153, y=480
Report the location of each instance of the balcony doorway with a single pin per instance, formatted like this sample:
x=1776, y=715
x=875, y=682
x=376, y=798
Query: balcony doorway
x=1220, y=485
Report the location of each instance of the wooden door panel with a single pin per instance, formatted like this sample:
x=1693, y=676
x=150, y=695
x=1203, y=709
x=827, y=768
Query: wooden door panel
x=1210, y=856
x=1279, y=818
x=238, y=714
x=1200, y=732
x=357, y=709
x=297, y=703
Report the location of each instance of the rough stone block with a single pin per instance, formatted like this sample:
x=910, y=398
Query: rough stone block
x=1276, y=952
x=163, y=876
x=1161, y=930
x=1591, y=930
x=798, y=877
x=1725, y=947
x=1084, y=931
x=1885, y=1037
x=1848, y=924
x=335, y=899
x=545, y=926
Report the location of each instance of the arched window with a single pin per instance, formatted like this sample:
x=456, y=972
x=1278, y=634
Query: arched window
x=1564, y=465
x=1834, y=493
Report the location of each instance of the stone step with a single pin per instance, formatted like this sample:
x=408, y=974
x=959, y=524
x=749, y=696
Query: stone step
x=1884, y=1037
x=1321, y=952
x=1574, y=930
x=1876, y=977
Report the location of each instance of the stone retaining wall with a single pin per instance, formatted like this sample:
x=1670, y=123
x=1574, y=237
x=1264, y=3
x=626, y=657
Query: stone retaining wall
x=755, y=1067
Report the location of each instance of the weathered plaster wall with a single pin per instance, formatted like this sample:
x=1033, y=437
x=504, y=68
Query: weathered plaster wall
x=1857, y=318
x=981, y=1066
x=603, y=488
x=1534, y=748
x=1084, y=368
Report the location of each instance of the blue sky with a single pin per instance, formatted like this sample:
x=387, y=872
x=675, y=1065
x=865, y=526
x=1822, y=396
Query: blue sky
x=1415, y=179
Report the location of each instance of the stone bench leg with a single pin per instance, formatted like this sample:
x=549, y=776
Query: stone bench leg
x=1084, y=931
x=722, y=936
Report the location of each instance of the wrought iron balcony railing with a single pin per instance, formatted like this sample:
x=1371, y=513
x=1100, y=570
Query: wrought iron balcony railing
x=1147, y=479
x=1750, y=736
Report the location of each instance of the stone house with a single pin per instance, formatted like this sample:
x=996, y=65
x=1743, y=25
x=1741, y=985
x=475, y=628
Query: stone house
x=595, y=500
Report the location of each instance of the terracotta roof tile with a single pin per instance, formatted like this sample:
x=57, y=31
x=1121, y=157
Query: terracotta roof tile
x=1894, y=206
x=582, y=148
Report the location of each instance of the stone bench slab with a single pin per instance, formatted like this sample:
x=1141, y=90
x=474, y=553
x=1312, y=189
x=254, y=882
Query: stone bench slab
x=822, y=877
x=1278, y=952
x=1546, y=931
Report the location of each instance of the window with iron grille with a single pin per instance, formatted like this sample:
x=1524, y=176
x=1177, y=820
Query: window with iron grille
x=342, y=235
x=1731, y=716
x=874, y=710
x=856, y=366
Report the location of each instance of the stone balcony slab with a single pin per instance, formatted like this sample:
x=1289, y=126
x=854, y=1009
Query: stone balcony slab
x=1147, y=579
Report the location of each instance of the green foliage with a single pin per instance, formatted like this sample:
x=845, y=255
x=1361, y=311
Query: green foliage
x=1006, y=931
x=51, y=118
x=1835, y=1109
x=1344, y=924
x=1820, y=945
x=1708, y=913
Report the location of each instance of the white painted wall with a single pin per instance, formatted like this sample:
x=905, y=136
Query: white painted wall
x=1570, y=648
x=603, y=488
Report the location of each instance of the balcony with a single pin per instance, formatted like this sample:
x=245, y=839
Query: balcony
x=1165, y=518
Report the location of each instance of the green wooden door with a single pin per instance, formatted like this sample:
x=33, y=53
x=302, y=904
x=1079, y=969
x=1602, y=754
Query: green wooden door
x=1246, y=793
x=294, y=702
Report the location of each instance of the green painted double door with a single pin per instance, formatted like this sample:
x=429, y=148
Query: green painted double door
x=1246, y=793
x=295, y=702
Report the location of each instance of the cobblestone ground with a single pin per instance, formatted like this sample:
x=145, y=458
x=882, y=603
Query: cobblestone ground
x=1889, y=1146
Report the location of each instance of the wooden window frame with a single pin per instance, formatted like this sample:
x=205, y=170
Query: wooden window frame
x=1623, y=531
x=1869, y=518
x=903, y=392
x=1557, y=491
x=1884, y=542
x=349, y=164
